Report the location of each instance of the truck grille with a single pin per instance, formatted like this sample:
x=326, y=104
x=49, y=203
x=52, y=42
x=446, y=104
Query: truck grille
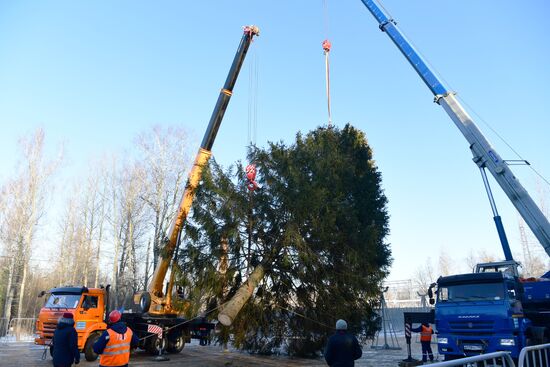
x=49, y=328
x=472, y=327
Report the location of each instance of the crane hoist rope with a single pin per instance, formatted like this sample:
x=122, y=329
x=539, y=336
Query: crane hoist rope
x=326, y=48
x=326, y=51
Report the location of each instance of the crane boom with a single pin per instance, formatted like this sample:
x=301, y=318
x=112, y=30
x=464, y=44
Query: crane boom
x=484, y=154
x=160, y=303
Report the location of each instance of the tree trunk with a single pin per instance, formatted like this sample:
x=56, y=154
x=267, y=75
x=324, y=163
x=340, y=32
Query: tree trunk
x=100, y=238
x=9, y=291
x=22, y=290
x=20, y=303
x=229, y=311
x=146, y=279
x=97, y=256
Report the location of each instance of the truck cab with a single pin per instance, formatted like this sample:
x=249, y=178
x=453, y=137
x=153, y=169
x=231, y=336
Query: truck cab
x=88, y=308
x=479, y=313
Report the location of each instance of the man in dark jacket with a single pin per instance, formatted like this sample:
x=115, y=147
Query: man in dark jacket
x=112, y=345
x=65, y=342
x=342, y=348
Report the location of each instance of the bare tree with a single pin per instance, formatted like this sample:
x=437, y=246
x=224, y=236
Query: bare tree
x=81, y=232
x=129, y=229
x=25, y=197
x=445, y=264
x=166, y=158
x=424, y=276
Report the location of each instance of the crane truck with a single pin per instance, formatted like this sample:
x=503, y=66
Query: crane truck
x=90, y=306
x=491, y=309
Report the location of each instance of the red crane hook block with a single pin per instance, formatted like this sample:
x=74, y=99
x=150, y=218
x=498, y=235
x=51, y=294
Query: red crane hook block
x=250, y=172
x=327, y=45
x=251, y=176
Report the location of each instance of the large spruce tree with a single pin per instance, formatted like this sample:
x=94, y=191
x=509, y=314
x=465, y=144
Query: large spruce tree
x=316, y=227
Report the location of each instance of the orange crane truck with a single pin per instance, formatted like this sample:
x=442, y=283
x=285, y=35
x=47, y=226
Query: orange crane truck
x=90, y=306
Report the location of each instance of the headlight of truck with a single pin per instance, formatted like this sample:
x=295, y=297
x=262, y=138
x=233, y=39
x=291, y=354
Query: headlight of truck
x=508, y=342
x=443, y=341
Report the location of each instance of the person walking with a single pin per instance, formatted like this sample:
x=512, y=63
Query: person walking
x=65, y=342
x=113, y=346
x=426, y=332
x=203, y=331
x=342, y=348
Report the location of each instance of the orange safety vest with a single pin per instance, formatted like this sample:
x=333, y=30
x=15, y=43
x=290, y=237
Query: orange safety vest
x=426, y=334
x=117, y=350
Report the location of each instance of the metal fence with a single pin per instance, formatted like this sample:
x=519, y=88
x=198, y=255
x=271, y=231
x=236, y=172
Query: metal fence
x=500, y=359
x=535, y=356
x=396, y=318
x=20, y=329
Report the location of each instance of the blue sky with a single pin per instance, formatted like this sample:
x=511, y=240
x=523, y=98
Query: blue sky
x=96, y=73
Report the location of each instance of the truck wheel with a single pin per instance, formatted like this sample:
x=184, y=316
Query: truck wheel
x=176, y=345
x=145, y=302
x=89, y=353
x=154, y=344
x=536, y=335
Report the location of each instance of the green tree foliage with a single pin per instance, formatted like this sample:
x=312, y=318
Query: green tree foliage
x=317, y=224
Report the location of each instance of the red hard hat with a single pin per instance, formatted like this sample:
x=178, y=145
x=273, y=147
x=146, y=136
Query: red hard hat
x=114, y=316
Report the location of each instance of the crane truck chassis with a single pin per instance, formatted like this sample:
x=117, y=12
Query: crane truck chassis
x=490, y=310
x=90, y=311
x=90, y=306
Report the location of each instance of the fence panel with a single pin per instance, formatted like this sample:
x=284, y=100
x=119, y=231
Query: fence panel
x=535, y=356
x=500, y=359
x=21, y=329
x=395, y=316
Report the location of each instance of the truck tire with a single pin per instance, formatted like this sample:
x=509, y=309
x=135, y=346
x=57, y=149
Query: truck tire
x=536, y=335
x=89, y=353
x=145, y=302
x=175, y=345
x=153, y=345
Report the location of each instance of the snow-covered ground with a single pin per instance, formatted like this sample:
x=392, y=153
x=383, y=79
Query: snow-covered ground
x=28, y=354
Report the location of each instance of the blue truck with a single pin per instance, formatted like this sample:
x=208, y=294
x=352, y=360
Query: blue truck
x=491, y=309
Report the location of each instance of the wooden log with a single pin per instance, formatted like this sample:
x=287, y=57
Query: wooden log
x=230, y=310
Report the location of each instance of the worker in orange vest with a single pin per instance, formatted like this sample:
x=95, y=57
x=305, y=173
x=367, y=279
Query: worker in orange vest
x=426, y=332
x=114, y=344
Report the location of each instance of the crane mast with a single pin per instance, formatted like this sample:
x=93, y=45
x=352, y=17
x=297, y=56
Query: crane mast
x=484, y=154
x=154, y=300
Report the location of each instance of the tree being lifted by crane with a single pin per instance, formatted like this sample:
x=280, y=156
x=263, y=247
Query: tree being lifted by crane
x=319, y=223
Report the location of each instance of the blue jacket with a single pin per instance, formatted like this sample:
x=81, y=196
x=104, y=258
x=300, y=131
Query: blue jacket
x=65, y=343
x=342, y=350
x=120, y=328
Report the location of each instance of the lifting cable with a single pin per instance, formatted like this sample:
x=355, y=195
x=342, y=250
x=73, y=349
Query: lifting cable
x=207, y=312
x=250, y=169
x=326, y=50
x=471, y=110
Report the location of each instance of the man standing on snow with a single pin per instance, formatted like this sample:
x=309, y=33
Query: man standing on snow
x=342, y=348
x=426, y=332
x=113, y=346
x=65, y=342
